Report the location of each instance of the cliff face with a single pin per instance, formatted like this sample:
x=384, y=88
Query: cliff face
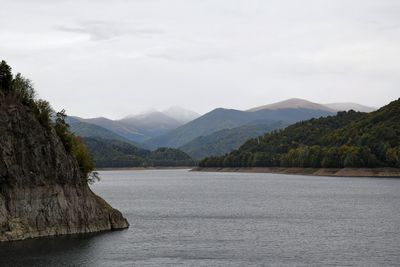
x=42, y=191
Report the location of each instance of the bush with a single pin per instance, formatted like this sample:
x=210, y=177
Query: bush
x=43, y=112
x=23, y=90
x=82, y=155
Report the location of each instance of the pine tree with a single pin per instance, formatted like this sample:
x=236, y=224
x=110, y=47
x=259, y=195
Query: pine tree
x=6, y=77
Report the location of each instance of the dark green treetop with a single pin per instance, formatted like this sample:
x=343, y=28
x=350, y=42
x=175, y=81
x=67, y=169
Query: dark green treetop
x=6, y=76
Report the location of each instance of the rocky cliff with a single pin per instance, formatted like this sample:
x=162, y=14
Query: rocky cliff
x=42, y=190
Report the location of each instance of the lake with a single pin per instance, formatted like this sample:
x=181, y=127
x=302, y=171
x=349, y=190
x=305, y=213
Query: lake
x=181, y=218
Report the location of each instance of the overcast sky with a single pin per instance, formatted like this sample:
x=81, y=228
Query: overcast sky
x=120, y=57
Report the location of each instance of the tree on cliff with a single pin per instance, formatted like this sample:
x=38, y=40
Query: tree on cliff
x=5, y=76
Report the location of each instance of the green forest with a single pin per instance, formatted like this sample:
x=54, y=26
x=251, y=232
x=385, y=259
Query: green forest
x=348, y=139
x=118, y=154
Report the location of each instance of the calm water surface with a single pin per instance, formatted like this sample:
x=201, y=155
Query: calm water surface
x=181, y=218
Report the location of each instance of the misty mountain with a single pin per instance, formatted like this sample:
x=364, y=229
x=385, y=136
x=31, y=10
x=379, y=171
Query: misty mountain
x=220, y=119
x=138, y=128
x=182, y=115
x=302, y=103
x=84, y=129
x=130, y=133
x=294, y=103
x=226, y=140
x=150, y=124
x=350, y=106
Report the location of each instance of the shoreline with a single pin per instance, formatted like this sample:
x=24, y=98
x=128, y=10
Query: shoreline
x=142, y=168
x=344, y=172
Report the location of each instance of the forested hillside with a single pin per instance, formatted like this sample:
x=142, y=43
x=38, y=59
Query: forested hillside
x=224, y=141
x=113, y=153
x=349, y=139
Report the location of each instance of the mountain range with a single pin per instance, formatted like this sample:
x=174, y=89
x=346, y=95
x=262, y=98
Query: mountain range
x=138, y=128
x=214, y=133
x=221, y=118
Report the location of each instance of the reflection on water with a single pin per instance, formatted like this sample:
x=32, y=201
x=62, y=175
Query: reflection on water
x=230, y=219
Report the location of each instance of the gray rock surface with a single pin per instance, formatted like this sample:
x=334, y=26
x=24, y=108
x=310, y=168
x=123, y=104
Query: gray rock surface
x=42, y=191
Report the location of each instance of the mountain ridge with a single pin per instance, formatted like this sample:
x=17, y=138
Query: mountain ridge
x=138, y=128
x=84, y=129
x=293, y=103
x=219, y=119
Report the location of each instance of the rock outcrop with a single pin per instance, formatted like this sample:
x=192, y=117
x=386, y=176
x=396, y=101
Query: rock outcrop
x=42, y=190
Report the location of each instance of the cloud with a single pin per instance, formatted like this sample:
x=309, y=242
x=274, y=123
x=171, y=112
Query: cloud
x=105, y=30
x=193, y=58
x=188, y=55
x=129, y=56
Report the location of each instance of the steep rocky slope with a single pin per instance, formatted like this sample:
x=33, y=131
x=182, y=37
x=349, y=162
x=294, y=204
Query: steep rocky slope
x=42, y=190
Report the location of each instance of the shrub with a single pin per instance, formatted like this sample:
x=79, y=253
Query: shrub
x=82, y=155
x=23, y=90
x=43, y=112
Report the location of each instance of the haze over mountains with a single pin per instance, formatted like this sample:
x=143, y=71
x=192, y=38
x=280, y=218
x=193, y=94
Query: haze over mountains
x=214, y=133
x=181, y=115
x=137, y=128
x=84, y=129
x=350, y=106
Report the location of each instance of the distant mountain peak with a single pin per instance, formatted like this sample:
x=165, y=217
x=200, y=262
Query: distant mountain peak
x=155, y=114
x=141, y=114
x=294, y=103
x=181, y=114
x=176, y=113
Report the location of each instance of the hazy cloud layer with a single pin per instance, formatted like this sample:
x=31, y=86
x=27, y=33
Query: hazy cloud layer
x=114, y=58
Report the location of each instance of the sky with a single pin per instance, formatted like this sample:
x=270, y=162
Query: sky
x=115, y=58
